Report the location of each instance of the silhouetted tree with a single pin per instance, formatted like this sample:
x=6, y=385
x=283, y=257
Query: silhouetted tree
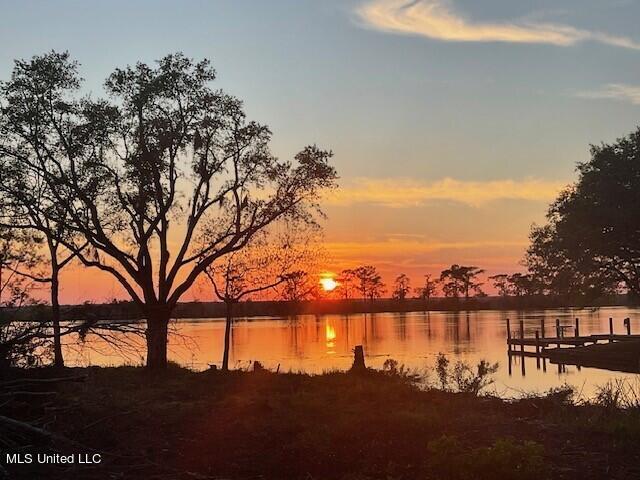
x=551, y=268
x=29, y=208
x=524, y=285
x=402, y=287
x=517, y=284
x=377, y=288
x=593, y=230
x=147, y=167
x=347, y=283
x=501, y=284
x=18, y=340
x=298, y=286
x=25, y=342
x=269, y=260
x=370, y=282
x=460, y=280
x=428, y=289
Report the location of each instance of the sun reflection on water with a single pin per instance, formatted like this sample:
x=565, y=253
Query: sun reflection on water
x=330, y=335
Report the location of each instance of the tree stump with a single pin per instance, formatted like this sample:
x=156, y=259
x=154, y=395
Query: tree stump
x=358, y=359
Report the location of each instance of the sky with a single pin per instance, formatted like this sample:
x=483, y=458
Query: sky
x=454, y=123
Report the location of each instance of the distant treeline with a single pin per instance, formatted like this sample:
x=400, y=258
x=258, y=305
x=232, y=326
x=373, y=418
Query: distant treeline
x=129, y=311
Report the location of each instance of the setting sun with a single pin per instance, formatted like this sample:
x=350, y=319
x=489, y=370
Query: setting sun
x=328, y=284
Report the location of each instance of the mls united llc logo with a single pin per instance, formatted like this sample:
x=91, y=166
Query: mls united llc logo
x=54, y=458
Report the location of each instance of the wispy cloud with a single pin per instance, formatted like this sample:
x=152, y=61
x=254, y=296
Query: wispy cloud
x=615, y=91
x=437, y=19
x=405, y=192
x=403, y=247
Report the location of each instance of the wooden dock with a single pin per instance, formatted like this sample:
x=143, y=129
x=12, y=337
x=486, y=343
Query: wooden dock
x=568, y=346
x=610, y=351
x=561, y=339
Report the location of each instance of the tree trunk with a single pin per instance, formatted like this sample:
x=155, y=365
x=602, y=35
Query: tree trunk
x=227, y=337
x=157, y=337
x=58, y=359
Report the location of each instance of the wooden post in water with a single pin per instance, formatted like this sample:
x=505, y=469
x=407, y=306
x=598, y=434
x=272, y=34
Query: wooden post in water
x=509, y=335
x=611, y=326
x=542, y=327
x=627, y=323
x=522, y=335
x=537, y=342
x=558, y=330
x=358, y=359
x=577, y=327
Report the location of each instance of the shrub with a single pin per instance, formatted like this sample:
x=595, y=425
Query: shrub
x=618, y=393
x=393, y=368
x=442, y=370
x=463, y=376
x=469, y=381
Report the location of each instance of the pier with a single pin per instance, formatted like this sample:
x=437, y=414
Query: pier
x=611, y=351
x=561, y=339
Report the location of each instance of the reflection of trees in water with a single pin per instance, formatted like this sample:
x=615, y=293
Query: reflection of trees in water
x=451, y=333
x=468, y=318
x=365, y=333
x=320, y=334
x=375, y=327
x=426, y=318
x=400, y=324
x=233, y=344
x=371, y=328
x=345, y=326
x=458, y=330
x=293, y=331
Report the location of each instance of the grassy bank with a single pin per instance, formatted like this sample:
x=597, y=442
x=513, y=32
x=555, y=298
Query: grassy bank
x=375, y=425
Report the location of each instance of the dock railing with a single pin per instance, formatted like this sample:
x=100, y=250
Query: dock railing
x=561, y=339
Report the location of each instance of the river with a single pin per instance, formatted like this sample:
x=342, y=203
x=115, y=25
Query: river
x=315, y=344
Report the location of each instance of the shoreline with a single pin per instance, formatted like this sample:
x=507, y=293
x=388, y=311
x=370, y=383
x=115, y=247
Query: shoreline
x=202, y=310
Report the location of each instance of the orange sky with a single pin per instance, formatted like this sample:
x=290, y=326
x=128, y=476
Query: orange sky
x=408, y=232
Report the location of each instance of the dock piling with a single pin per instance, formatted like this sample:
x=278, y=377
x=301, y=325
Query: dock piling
x=577, y=332
x=610, y=326
x=509, y=335
x=522, y=335
x=627, y=323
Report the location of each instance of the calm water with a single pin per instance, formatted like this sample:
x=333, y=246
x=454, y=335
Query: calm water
x=318, y=343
